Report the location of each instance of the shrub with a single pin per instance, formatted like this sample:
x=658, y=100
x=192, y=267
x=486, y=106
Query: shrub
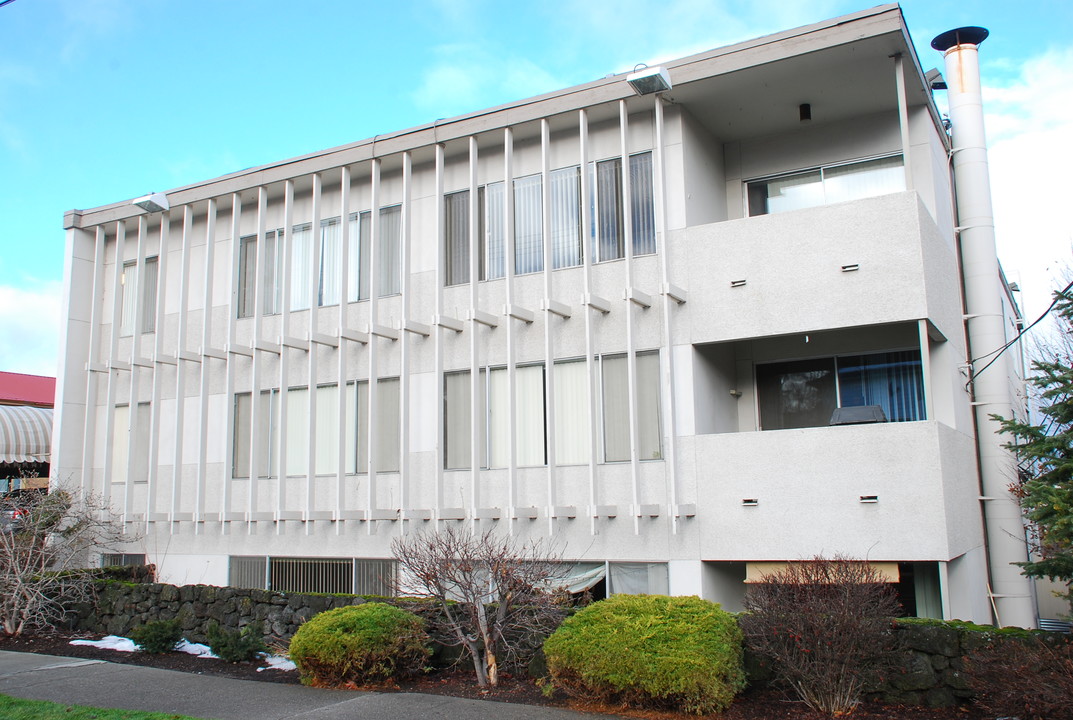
x=158, y=636
x=825, y=625
x=235, y=646
x=650, y=651
x=1031, y=678
x=358, y=645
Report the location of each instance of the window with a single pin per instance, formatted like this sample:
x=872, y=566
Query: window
x=456, y=259
x=607, y=232
x=572, y=435
x=564, y=200
x=359, y=252
x=804, y=393
x=328, y=432
x=245, y=424
x=564, y=196
x=271, y=274
x=616, y=410
x=827, y=185
x=122, y=559
x=134, y=285
x=357, y=576
x=122, y=440
x=385, y=427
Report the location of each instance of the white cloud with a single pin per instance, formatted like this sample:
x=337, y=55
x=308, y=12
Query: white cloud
x=1030, y=126
x=30, y=327
x=468, y=77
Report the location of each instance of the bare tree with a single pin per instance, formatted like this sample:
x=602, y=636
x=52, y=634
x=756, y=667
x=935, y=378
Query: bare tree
x=45, y=547
x=825, y=624
x=497, y=597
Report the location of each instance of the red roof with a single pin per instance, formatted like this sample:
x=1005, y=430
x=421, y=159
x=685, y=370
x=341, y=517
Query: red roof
x=19, y=389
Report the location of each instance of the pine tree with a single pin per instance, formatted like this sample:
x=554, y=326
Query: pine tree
x=1044, y=487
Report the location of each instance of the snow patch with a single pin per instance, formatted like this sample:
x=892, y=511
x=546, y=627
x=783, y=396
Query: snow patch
x=111, y=642
x=277, y=662
x=197, y=649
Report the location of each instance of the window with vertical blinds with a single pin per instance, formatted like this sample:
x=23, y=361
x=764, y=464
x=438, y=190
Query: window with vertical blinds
x=563, y=196
x=607, y=232
x=138, y=286
x=572, y=434
x=355, y=436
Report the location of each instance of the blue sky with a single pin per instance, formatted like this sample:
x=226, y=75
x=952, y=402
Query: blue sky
x=104, y=100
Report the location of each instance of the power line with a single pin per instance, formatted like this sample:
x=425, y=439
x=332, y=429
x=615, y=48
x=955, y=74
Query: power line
x=6, y=2
x=997, y=353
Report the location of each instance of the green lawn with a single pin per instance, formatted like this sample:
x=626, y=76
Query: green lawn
x=18, y=709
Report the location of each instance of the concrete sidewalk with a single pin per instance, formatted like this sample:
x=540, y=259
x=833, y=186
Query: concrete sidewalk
x=104, y=684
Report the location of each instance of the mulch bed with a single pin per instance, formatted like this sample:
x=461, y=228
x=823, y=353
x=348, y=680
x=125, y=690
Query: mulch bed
x=766, y=705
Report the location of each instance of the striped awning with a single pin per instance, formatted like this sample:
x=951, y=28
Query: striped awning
x=25, y=434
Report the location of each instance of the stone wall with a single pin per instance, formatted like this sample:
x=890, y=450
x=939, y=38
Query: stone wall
x=933, y=672
x=121, y=607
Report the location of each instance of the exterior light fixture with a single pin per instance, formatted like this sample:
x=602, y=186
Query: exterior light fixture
x=804, y=111
x=153, y=202
x=649, y=80
x=935, y=79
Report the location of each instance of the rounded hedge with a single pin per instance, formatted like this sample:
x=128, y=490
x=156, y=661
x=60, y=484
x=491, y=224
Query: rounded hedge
x=650, y=651
x=358, y=645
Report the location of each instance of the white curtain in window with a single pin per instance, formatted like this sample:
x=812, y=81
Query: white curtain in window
x=297, y=431
x=148, y=282
x=638, y=578
x=863, y=179
x=386, y=425
x=390, y=251
x=564, y=197
x=138, y=471
x=272, y=273
x=247, y=272
x=642, y=204
x=358, y=259
x=243, y=420
x=616, y=408
x=301, y=261
x=528, y=225
x=648, y=410
x=494, y=240
x=331, y=253
x=328, y=430
x=456, y=420
x=529, y=415
x=456, y=257
x=128, y=284
x=498, y=409
x=571, y=413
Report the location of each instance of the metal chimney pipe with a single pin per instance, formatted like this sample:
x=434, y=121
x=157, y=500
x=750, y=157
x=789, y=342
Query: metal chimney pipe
x=1012, y=592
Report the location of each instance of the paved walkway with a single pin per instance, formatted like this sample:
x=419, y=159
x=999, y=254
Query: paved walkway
x=104, y=684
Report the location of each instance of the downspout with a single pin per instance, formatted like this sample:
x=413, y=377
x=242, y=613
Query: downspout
x=1004, y=533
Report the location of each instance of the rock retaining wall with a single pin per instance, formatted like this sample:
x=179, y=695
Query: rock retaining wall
x=933, y=672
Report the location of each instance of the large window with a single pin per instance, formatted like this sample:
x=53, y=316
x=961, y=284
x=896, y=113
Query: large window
x=389, y=263
x=328, y=432
x=827, y=185
x=134, y=286
x=130, y=444
x=607, y=207
x=606, y=233
x=358, y=576
x=572, y=438
x=616, y=409
x=805, y=393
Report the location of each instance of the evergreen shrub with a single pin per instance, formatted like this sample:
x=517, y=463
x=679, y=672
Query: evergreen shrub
x=651, y=651
x=235, y=646
x=359, y=645
x=157, y=636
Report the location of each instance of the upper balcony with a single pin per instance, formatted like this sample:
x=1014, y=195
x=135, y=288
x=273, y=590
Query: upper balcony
x=867, y=262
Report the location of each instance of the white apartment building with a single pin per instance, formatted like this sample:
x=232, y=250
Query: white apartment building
x=684, y=335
